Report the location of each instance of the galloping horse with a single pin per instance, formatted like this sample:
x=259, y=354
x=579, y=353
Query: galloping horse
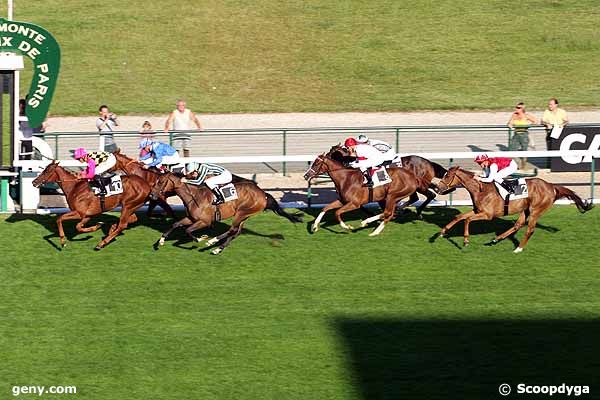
x=352, y=194
x=423, y=169
x=488, y=204
x=201, y=213
x=134, y=167
x=85, y=205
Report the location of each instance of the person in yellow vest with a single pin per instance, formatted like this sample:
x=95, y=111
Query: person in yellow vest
x=182, y=119
x=553, y=116
x=520, y=121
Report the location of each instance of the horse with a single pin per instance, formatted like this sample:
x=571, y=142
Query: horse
x=488, y=204
x=202, y=213
x=133, y=167
x=353, y=194
x=85, y=205
x=423, y=168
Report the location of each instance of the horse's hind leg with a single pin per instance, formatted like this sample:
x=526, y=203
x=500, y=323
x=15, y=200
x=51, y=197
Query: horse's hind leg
x=114, y=231
x=430, y=196
x=518, y=225
x=232, y=233
x=530, y=229
x=388, y=214
x=81, y=228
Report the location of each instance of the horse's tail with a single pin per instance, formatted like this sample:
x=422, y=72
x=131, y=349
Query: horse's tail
x=276, y=208
x=582, y=205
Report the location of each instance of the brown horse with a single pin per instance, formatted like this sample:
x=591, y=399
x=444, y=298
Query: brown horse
x=85, y=205
x=133, y=167
x=201, y=213
x=353, y=194
x=488, y=204
x=423, y=169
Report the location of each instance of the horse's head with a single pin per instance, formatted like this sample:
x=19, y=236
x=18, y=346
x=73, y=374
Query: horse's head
x=449, y=181
x=166, y=183
x=340, y=154
x=318, y=167
x=49, y=174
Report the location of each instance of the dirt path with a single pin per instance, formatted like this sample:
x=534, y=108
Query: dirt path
x=307, y=120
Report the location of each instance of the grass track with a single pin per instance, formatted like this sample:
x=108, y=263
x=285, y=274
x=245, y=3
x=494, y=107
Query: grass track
x=282, y=314
x=241, y=56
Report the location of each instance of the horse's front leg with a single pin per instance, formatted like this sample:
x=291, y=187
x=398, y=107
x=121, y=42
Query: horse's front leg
x=475, y=217
x=345, y=208
x=183, y=222
x=455, y=221
x=331, y=206
x=59, y=221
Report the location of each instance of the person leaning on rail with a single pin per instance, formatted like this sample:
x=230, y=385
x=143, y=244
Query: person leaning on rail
x=520, y=121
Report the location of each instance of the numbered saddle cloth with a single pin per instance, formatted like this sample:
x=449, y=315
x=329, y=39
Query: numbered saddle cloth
x=228, y=191
x=519, y=188
x=113, y=185
x=380, y=177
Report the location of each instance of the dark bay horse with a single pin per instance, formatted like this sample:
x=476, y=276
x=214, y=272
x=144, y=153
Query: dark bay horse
x=85, y=205
x=133, y=167
x=201, y=213
x=353, y=194
x=423, y=169
x=488, y=204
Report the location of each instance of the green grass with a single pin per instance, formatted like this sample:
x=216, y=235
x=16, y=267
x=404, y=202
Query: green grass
x=240, y=56
x=282, y=314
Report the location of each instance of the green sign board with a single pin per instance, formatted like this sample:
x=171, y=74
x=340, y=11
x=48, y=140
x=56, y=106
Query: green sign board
x=40, y=47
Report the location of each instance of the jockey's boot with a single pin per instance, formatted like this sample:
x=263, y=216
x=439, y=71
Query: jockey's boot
x=218, y=197
x=98, y=181
x=508, y=186
x=368, y=177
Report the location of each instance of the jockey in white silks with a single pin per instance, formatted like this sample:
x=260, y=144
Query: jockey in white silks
x=385, y=148
x=368, y=157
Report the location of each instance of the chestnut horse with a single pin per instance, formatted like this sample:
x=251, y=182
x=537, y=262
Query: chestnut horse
x=133, y=167
x=202, y=213
x=85, y=205
x=353, y=194
x=423, y=169
x=488, y=204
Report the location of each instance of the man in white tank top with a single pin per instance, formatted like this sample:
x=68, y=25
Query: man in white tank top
x=182, y=118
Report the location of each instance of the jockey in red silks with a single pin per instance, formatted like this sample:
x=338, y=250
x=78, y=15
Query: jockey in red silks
x=98, y=162
x=499, y=168
x=368, y=157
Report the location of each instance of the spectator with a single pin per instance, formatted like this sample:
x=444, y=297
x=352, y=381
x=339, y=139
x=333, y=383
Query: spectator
x=181, y=118
x=107, y=122
x=520, y=120
x=552, y=117
x=147, y=131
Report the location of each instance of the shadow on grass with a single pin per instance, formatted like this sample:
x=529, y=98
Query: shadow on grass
x=160, y=225
x=467, y=359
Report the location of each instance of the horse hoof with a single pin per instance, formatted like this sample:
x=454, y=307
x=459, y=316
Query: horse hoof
x=201, y=238
x=161, y=241
x=442, y=234
x=465, y=244
x=314, y=228
x=98, y=248
x=211, y=242
x=374, y=234
x=518, y=250
x=217, y=251
x=420, y=217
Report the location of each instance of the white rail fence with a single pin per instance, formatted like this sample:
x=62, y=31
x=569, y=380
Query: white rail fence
x=571, y=156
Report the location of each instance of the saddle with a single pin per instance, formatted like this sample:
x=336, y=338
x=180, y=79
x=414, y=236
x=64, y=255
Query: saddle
x=106, y=185
x=512, y=189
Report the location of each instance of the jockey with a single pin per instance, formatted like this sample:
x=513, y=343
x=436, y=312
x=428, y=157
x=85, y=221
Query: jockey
x=385, y=148
x=154, y=154
x=499, y=168
x=368, y=157
x=196, y=174
x=98, y=162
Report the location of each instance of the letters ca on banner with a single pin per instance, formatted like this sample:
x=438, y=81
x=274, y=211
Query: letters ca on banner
x=577, y=137
x=41, y=48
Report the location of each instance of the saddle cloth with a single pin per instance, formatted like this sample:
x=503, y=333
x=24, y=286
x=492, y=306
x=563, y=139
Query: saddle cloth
x=112, y=186
x=228, y=191
x=521, y=190
x=380, y=177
